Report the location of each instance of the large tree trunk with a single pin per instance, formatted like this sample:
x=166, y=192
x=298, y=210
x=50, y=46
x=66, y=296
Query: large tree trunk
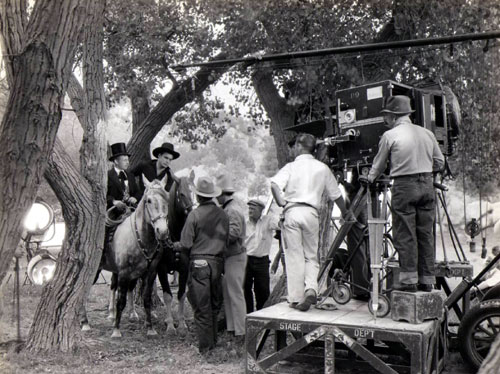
x=40, y=68
x=83, y=200
x=169, y=105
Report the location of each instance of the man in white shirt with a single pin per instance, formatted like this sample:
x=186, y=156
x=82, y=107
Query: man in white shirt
x=298, y=187
x=258, y=243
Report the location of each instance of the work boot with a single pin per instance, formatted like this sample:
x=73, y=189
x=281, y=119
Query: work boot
x=309, y=299
x=425, y=287
x=406, y=287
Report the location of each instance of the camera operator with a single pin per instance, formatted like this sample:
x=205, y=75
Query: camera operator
x=414, y=154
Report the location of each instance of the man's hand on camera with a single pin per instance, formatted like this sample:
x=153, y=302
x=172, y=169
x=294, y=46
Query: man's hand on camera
x=363, y=179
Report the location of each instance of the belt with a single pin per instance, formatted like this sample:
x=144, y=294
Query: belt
x=259, y=257
x=206, y=257
x=416, y=175
x=294, y=205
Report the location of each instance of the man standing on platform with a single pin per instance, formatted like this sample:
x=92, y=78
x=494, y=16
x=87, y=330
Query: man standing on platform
x=205, y=236
x=258, y=242
x=414, y=155
x=303, y=183
x=235, y=261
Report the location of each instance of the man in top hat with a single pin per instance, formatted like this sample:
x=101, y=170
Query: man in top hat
x=204, y=236
x=260, y=230
x=235, y=260
x=122, y=189
x=298, y=187
x=414, y=155
x=157, y=168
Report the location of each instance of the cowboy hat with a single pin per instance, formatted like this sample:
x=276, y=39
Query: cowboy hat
x=166, y=147
x=225, y=183
x=118, y=149
x=398, y=104
x=206, y=188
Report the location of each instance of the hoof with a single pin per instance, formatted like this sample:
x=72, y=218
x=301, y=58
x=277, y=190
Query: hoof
x=133, y=316
x=116, y=333
x=152, y=332
x=85, y=327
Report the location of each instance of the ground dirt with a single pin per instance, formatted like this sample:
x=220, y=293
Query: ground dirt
x=135, y=352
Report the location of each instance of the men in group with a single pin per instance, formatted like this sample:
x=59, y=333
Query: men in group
x=303, y=182
x=414, y=155
x=258, y=242
x=156, y=169
x=235, y=260
x=122, y=188
x=205, y=236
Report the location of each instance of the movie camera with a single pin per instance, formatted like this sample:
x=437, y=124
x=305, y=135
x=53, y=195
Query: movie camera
x=353, y=143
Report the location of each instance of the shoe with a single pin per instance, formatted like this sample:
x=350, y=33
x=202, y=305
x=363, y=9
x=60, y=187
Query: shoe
x=425, y=287
x=293, y=305
x=406, y=287
x=362, y=297
x=309, y=299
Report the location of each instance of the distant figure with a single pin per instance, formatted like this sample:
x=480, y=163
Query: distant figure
x=235, y=261
x=260, y=234
x=122, y=189
x=205, y=236
x=414, y=155
x=298, y=187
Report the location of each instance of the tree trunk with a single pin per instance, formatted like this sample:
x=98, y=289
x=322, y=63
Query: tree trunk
x=41, y=68
x=169, y=105
x=139, y=100
x=83, y=200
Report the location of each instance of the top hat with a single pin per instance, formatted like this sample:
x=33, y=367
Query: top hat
x=118, y=149
x=206, y=188
x=166, y=147
x=398, y=104
x=256, y=202
x=225, y=183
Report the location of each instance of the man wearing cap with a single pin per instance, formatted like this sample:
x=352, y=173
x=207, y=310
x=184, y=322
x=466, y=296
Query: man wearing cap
x=258, y=245
x=235, y=260
x=122, y=189
x=156, y=169
x=414, y=155
x=205, y=236
x=298, y=187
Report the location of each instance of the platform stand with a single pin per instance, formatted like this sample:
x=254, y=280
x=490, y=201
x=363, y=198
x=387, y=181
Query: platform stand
x=384, y=346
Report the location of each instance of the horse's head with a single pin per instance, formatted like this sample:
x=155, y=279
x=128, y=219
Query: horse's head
x=184, y=195
x=155, y=202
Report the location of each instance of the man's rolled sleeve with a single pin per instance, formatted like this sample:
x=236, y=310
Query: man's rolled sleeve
x=282, y=176
x=332, y=187
x=437, y=157
x=380, y=160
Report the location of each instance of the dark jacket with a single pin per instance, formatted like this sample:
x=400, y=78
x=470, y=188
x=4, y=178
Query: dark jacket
x=115, y=190
x=148, y=168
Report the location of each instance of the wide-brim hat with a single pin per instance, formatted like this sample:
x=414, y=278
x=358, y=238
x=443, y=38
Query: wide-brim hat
x=166, y=147
x=398, y=104
x=118, y=149
x=206, y=188
x=225, y=183
x=256, y=202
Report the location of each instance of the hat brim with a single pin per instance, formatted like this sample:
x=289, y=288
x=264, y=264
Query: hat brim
x=393, y=112
x=160, y=150
x=253, y=203
x=217, y=192
x=118, y=155
x=228, y=190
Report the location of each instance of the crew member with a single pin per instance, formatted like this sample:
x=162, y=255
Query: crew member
x=205, y=236
x=122, y=189
x=414, y=154
x=235, y=261
x=258, y=245
x=303, y=182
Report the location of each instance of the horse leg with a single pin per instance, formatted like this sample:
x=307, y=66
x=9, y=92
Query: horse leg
x=181, y=297
x=133, y=316
x=148, y=280
x=82, y=312
x=167, y=298
x=120, y=305
x=112, y=297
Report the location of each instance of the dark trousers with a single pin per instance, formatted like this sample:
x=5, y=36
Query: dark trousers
x=413, y=208
x=256, y=280
x=205, y=296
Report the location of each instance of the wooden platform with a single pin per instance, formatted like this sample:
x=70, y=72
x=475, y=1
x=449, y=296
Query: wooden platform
x=387, y=346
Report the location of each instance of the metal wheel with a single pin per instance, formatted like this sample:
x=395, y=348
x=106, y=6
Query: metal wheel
x=341, y=293
x=477, y=331
x=384, y=306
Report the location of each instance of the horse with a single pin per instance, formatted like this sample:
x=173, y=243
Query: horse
x=180, y=204
x=136, y=250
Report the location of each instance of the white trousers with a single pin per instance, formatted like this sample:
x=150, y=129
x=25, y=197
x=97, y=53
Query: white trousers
x=300, y=236
x=234, y=297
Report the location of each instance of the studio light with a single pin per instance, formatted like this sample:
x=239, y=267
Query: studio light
x=41, y=268
x=39, y=218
